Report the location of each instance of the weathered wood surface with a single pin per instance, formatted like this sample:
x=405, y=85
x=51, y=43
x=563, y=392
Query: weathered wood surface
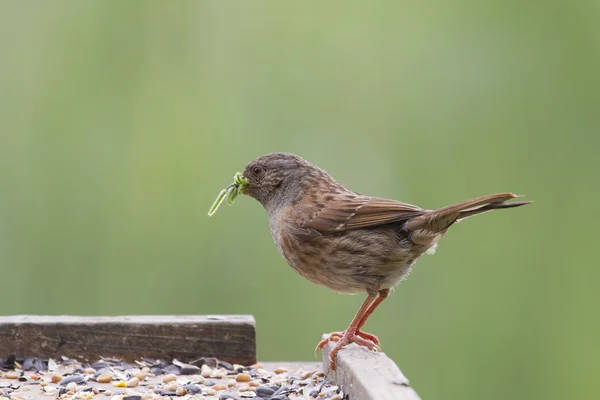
x=367, y=375
x=231, y=337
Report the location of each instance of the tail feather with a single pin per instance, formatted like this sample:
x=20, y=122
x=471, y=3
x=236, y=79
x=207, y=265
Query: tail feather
x=490, y=207
x=437, y=221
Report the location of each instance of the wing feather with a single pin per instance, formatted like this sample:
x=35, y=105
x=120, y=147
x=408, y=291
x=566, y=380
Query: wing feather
x=358, y=212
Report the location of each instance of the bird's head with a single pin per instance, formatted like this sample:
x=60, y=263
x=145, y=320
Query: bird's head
x=276, y=180
x=279, y=178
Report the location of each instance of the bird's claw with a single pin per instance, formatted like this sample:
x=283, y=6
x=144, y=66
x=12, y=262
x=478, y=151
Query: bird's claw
x=336, y=336
x=343, y=338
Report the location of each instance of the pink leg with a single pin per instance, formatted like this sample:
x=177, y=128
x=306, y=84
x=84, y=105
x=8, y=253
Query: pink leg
x=335, y=336
x=353, y=333
x=383, y=294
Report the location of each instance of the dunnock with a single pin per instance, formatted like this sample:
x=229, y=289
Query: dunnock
x=346, y=241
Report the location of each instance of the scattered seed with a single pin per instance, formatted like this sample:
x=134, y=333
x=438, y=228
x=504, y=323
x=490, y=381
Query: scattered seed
x=306, y=374
x=11, y=375
x=188, y=369
x=261, y=371
x=205, y=378
x=141, y=376
x=206, y=371
x=242, y=377
x=50, y=391
x=193, y=388
x=104, y=378
x=265, y=391
x=133, y=382
x=225, y=364
x=71, y=379
x=217, y=374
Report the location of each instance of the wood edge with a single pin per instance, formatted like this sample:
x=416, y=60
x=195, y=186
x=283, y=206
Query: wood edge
x=367, y=375
x=126, y=319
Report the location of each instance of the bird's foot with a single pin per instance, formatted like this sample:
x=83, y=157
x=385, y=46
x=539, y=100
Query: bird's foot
x=343, y=338
x=335, y=336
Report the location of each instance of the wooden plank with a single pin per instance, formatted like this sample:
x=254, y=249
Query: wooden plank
x=228, y=337
x=367, y=375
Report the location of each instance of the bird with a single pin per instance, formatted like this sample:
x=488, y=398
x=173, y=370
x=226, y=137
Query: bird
x=349, y=242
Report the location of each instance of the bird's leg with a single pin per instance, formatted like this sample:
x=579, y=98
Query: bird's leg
x=335, y=336
x=349, y=335
x=383, y=293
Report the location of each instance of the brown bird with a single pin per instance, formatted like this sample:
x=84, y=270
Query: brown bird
x=346, y=241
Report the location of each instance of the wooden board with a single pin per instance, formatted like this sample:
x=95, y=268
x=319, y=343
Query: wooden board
x=367, y=375
x=228, y=337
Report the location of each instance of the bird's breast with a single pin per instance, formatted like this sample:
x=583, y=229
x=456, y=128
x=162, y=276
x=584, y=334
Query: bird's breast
x=315, y=261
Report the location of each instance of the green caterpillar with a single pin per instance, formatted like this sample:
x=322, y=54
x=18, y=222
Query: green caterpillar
x=229, y=193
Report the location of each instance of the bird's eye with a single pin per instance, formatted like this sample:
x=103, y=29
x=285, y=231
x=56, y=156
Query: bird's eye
x=257, y=171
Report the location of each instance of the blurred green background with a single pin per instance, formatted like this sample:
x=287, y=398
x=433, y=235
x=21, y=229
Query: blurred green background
x=121, y=121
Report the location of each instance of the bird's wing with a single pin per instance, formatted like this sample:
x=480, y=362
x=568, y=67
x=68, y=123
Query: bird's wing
x=340, y=215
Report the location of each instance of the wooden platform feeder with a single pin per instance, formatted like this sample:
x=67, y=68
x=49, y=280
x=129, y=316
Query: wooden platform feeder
x=362, y=374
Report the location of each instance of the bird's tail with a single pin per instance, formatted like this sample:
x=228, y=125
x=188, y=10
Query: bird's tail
x=438, y=221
